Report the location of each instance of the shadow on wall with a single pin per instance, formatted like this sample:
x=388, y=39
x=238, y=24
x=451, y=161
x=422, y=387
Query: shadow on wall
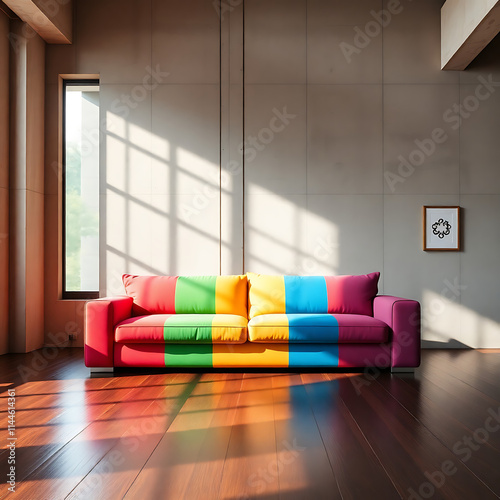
x=449, y=344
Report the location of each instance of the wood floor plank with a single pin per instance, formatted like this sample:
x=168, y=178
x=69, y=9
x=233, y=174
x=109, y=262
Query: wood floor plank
x=206, y=477
x=18, y=369
x=63, y=470
x=167, y=472
x=468, y=366
x=252, y=446
x=303, y=464
x=465, y=403
x=408, y=450
x=36, y=444
x=114, y=474
x=358, y=471
x=479, y=456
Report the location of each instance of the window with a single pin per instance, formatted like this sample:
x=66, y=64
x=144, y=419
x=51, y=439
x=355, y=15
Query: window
x=81, y=189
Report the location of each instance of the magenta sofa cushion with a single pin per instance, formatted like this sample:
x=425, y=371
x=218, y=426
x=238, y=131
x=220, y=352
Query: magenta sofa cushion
x=352, y=294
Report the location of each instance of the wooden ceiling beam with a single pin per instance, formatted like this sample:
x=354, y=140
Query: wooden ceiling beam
x=52, y=20
x=466, y=28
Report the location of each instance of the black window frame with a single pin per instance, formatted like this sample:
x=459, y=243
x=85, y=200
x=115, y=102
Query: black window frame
x=70, y=294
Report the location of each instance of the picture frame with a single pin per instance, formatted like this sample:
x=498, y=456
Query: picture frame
x=441, y=228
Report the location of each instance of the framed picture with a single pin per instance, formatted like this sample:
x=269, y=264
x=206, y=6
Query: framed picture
x=442, y=228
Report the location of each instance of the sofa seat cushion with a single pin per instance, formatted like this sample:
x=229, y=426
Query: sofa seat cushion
x=312, y=328
x=183, y=329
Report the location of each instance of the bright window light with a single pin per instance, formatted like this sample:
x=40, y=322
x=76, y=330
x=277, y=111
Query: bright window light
x=81, y=189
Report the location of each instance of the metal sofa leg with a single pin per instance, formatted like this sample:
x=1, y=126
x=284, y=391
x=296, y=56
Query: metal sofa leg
x=402, y=369
x=101, y=369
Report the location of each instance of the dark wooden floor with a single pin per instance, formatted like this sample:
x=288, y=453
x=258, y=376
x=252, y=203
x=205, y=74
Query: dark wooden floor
x=153, y=435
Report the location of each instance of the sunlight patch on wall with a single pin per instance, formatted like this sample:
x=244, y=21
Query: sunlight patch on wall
x=446, y=321
x=322, y=246
x=484, y=332
x=282, y=236
x=440, y=317
x=139, y=137
x=116, y=158
x=196, y=173
x=116, y=125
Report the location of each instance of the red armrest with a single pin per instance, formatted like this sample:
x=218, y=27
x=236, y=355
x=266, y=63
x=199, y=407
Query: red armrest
x=403, y=317
x=101, y=316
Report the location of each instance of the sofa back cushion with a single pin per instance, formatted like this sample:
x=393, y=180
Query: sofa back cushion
x=187, y=294
x=311, y=294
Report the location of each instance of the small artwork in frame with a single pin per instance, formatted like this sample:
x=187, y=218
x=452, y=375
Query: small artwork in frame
x=442, y=229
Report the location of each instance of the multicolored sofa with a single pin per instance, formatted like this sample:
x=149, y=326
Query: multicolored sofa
x=252, y=321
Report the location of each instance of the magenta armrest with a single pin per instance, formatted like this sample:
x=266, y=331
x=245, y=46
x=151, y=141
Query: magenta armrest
x=403, y=317
x=101, y=316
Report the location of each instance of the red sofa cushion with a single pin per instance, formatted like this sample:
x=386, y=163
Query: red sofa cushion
x=183, y=329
